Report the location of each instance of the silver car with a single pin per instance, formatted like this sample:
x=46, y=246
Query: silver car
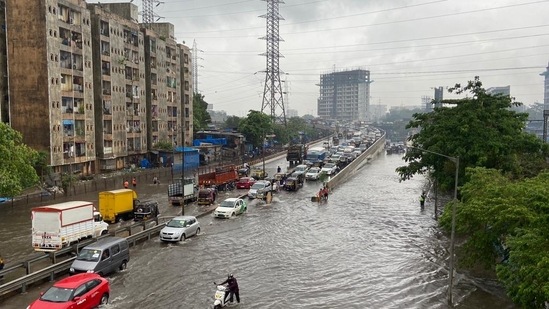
x=180, y=228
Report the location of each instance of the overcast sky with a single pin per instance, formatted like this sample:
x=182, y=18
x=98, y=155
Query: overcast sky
x=409, y=46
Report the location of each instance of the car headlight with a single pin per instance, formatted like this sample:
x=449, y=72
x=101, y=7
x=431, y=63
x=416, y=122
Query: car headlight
x=71, y=269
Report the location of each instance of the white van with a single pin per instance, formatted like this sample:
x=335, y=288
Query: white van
x=103, y=257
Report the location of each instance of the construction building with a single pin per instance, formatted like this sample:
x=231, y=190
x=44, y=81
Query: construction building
x=90, y=86
x=344, y=95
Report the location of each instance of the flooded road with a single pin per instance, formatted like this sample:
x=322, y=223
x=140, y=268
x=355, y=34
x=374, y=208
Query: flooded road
x=370, y=246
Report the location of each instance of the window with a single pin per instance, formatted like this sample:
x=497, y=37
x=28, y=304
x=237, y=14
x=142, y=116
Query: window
x=90, y=285
x=115, y=249
x=80, y=291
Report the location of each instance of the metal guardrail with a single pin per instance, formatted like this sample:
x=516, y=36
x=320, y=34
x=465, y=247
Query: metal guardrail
x=48, y=272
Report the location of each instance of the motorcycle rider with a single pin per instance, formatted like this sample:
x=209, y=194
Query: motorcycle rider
x=233, y=288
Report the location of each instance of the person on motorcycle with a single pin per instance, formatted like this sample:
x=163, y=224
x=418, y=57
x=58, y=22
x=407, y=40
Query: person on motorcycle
x=232, y=284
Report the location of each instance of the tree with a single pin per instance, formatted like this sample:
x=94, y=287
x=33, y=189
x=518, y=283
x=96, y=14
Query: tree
x=504, y=220
x=17, y=169
x=232, y=122
x=201, y=118
x=255, y=127
x=481, y=130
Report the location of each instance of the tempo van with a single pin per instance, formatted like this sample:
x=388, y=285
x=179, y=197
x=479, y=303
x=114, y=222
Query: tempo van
x=103, y=257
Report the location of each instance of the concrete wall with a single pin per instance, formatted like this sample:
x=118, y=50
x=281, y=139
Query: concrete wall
x=358, y=163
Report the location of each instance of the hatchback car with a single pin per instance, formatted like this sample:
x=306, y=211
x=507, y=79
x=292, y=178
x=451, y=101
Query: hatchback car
x=230, y=208
x=245, y=183
x=264, y=185
x=86, y=291
x=180, y=228
x=313, y=173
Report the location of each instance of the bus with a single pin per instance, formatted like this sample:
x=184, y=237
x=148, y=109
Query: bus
x=316, y=155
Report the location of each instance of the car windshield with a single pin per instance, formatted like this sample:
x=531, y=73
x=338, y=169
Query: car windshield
x=257, y=185
x=300, y=169
x=329, y=165
x=57, y=295
x=177, y=223
x=91, y=255
x=227, y=204
x=314, y=170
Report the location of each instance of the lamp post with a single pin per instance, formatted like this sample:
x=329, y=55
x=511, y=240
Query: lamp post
x=183, y=167
x=452, y=234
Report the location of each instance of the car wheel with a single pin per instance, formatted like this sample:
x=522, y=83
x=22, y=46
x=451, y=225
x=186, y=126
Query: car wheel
x=233, y=214
x=197, y=231
x=123, y=266
x=183, y=237
x=104, y=299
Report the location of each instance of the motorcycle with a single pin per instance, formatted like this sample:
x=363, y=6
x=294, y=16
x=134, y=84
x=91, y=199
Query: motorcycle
x=220, y=293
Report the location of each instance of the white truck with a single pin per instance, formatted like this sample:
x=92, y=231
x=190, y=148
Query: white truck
x=59, y=225
x=180, y=192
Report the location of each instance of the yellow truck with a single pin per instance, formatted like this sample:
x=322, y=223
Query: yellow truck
x=117, y=204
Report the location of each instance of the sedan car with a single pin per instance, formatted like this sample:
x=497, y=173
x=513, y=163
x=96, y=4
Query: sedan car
x=329, y=169
x=264, y=185
x=180, y=228
x=313, y=173
x=86, y=290
x=230, y=207
x=245, y=183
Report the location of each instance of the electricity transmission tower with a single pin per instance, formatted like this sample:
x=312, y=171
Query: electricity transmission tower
x=196, y=66
x=273, y=100
x=149, y=16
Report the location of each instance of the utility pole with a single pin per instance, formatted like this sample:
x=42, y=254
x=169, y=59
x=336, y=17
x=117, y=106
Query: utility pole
x=273, y=100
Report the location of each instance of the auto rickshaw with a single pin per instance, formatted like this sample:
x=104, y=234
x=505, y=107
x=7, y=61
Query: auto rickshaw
x=259, y=174
x=146, y=210
x=206, y=196
x=294, y=183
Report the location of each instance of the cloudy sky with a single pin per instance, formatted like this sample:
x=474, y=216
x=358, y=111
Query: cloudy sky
x=409, y=46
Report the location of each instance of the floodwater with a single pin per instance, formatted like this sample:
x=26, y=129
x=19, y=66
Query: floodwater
x=369, y=246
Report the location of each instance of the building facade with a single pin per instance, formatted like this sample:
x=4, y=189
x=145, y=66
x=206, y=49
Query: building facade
x=344, y=95
x=101, y=89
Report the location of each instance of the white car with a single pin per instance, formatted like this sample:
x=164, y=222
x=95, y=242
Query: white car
x=260, y=184
x=301, y=169
x=313, y=173
x=230, y=207
x=329, y=169
x=180, y=228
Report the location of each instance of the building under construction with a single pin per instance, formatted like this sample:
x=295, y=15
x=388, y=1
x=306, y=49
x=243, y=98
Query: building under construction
x=344, y=95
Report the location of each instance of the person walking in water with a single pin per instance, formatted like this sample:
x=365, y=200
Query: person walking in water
x=134, y=182
x=126, y=184
x=422, y=200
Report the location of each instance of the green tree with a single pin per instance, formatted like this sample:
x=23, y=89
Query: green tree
x=232, y=122
x=18, y=160
x=255, y=127
x=481, y=130
x=164, y=145
x=201, y=118
x=504, y=220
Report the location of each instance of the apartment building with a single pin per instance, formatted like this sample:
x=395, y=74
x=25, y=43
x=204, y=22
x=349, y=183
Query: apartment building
x=119, y=79
x=101, y=90
x=186, y=93
x=50, y=78
x=344, y=95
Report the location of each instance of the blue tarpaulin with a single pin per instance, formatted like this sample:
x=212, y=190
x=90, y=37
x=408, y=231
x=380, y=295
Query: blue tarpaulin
x=191, y=159
x=68, y=122
x=214, y=141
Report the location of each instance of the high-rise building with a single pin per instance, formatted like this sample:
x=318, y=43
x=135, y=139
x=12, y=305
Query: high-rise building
x=51, y=99
x=344, y=95
x=119, y=79
x=90, y=86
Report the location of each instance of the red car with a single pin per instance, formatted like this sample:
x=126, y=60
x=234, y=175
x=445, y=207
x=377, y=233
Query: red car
x=245, y=183
x=86, y=290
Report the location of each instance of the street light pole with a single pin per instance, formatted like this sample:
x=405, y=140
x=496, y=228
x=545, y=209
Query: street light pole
x=453, y=232
x=183, y=167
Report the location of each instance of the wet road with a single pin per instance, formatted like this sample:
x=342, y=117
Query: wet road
x=369, y=247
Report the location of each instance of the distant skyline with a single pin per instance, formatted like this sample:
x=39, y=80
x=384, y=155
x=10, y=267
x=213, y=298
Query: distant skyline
x=410, y=47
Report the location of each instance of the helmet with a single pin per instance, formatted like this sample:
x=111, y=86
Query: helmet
x=230, y=276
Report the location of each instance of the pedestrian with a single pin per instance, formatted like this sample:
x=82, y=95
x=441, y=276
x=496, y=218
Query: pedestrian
x=155, y=180
x=1, y=266
x=278, y=169
x=134, y=182
x=126, y=184
x=422, y=200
